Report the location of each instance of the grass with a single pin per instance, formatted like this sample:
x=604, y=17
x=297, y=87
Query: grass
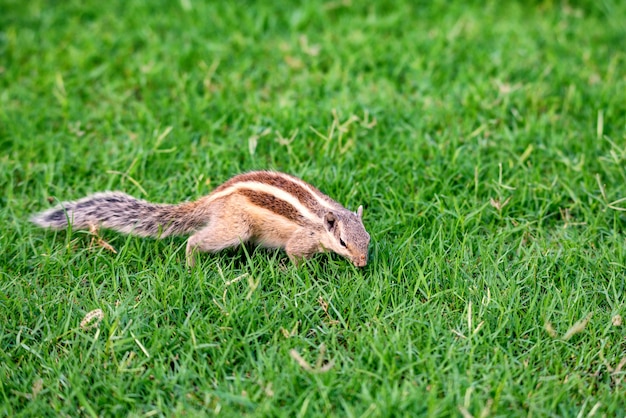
x=485, y=140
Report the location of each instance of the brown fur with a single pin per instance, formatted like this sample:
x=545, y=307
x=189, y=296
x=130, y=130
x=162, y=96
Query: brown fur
x=274, y=204
x=286, y=182
x=267, y=208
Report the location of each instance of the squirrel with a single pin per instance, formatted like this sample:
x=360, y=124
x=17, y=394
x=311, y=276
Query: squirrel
x=269, y=209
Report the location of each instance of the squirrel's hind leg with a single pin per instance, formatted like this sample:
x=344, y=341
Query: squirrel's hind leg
x=217, y=235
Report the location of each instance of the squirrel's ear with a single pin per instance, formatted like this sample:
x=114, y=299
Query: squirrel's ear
x=330, y=221
x=359, y=212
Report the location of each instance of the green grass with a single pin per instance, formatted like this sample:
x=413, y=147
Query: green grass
x=487, y=142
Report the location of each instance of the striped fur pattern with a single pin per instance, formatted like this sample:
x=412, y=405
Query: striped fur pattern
x=267, y=208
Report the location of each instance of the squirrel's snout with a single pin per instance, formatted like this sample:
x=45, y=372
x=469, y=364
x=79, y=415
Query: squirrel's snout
x=360, y=261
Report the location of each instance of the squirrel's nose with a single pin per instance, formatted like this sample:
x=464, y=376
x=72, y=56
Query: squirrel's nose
x=361, y=261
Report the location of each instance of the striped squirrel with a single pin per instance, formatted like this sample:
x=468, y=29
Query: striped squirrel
x=266, y=208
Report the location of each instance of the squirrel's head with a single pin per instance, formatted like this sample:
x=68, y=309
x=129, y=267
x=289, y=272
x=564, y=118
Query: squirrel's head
x=346, y=235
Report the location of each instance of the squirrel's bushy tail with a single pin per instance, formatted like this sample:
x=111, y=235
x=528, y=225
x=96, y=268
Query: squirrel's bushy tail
x=123, y=213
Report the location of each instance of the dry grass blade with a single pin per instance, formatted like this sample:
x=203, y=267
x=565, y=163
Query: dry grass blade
x=140, y=345
x=93, y=230
x=613, y=205
x=487, y=409
x=594, y=409
x=320, y=367
x=616, y=320
x=301, y=362
x=619, y=367
x=92, y=319
x=465, y=413
x=496, y=203
x=578, y=327
x=550, y=329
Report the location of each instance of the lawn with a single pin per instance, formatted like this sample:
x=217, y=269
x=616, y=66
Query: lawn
x=485, y=140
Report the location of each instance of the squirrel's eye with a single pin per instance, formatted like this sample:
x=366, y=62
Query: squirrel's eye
x=343, y=244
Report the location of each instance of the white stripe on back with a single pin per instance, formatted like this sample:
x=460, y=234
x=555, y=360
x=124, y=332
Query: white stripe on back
x=271, y=190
